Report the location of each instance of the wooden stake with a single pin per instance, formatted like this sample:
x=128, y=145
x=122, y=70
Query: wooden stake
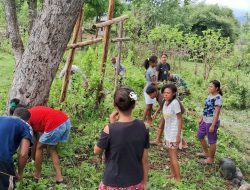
x=70, y=59
x=118, y=64
x=100, y=94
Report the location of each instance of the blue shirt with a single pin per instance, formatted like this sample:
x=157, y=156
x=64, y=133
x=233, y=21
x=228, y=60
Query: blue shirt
x=210, y=104
x=12, y=131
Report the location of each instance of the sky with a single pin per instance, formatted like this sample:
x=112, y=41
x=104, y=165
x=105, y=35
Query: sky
x=240, y=7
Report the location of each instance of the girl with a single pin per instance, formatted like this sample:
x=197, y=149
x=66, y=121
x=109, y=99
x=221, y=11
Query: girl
x=151, y=78
x=163, y=68
x=126, y=143
x=209, y=122
x=172, y=114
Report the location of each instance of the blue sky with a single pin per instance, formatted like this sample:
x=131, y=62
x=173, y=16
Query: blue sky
x=240, y=7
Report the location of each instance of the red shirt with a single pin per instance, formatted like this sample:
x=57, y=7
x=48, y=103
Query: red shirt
x=45, y=119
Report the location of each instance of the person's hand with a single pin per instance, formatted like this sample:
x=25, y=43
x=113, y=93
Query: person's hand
x=200, y=121
x=154, y=115
x=211, y=129
x=178, y=139
x=114, y=116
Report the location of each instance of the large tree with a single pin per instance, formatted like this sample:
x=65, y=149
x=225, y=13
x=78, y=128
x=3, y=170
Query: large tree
x=37, y=67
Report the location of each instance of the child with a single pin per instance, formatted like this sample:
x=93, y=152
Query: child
x=14, y=133
x=163, y=68
x=153, y=92
x=122, y=73
x=126, y=143
x=209, y=122
x=173, y=127
x=54, y=126
x=151, y=78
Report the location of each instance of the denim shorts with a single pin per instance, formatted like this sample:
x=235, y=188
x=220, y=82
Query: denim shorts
x=59, y=134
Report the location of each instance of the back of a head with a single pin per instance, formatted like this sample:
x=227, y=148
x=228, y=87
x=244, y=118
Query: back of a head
x=151, y=89
x=124, y=99
x=14, y=103
x=22, y=113
x=147, y=62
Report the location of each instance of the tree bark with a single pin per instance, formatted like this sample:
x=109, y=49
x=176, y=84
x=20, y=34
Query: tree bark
x=13, y=29
x=48, y=40
x=32, y=4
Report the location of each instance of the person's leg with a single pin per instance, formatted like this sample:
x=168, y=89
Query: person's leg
x=147, y=113
x=38, y=159
x=204, y=147
x=212, y=139
x=201, y=133
x=56, y=163
x=160, y=129
x=174, y=163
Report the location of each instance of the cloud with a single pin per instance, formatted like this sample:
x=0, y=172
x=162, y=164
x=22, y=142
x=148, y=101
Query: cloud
x=243, y=5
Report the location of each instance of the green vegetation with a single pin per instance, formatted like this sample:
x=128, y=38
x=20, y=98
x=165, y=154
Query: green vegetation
x=219, y=50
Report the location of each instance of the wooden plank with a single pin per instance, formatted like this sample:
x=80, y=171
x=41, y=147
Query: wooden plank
x=110, y=22
x=86, y=43
x=120, y=39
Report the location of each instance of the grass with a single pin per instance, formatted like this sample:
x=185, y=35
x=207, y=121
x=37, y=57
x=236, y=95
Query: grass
x=83, y=171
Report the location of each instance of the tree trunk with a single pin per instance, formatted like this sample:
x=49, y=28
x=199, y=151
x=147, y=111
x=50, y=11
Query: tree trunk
x=32, y=4
x=48, y=40
x=13, y=29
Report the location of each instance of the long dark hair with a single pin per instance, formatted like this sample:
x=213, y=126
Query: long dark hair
x=147, y=62
x=216, y=84
x=173, y=88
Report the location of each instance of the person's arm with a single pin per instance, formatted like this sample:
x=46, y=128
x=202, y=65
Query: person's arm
x=145, y=167
x=180, y=123
x=215, y=118
x=23, y=156
x=156, y=113
x=114, y=116
x=97, y=149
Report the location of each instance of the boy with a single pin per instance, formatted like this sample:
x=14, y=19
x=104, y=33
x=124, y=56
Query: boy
x=14, y=133
x=55, y=127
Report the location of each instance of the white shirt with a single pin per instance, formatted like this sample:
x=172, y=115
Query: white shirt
x=171, y=122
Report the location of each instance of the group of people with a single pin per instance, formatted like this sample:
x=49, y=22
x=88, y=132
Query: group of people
x=124, y=140
x=32, y=130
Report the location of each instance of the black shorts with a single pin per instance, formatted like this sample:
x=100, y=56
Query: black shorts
x=7, y=174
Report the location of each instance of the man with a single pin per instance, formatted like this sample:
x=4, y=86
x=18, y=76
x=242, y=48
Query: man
x=163, y=69
x=122, y=72
x=75, y=69
x=14, y=133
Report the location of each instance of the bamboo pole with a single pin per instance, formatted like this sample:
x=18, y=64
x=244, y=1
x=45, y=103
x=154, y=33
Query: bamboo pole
x=110, y=22
x=118, y=64
x=82, y=44
x=70, y=59
x=100, y=94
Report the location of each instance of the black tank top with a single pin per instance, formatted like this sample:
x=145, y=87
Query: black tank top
x=124, y=146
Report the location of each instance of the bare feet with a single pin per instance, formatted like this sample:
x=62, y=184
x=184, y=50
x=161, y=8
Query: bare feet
x=155, y=142
x=207, y=161
x=202, y=155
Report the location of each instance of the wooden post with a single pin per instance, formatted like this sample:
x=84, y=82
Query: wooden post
x=85, y=43
x=118, y=64
x=70, y=59
x=100, y=94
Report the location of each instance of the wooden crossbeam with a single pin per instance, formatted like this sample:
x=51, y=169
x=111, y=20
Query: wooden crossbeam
x=110, y=22
x=120, y=39
x=82, y=44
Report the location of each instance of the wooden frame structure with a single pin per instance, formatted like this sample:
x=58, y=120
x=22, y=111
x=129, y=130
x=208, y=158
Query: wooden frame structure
x=74, y=44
